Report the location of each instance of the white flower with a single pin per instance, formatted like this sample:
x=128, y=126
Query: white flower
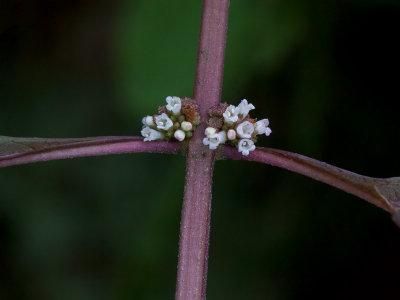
x=268, y=131
x=231, y=134
x=244, y=108
x=174, y=104
x=222, y=136
x=213, y=140
x=148, y=120
x=261, y=126
x=245, y=146
x=231, y=114
x=187, y=126
x=179, y=135
x=210, y=131
x=245, y=129
x=163, y=122
x=151, y=134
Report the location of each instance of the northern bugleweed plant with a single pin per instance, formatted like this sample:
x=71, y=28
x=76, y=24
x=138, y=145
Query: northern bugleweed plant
x=204, y=130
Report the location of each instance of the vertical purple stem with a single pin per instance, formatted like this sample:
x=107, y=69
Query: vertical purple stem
x=195, y=222
x=211, y=54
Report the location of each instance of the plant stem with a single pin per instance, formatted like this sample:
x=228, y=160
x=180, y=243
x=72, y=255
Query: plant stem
x=358, y=185
x=382, y=192
x=211, y=54
x=195, y=222
x=17, y=151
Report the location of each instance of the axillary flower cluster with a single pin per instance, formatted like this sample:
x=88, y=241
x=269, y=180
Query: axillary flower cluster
x=176, y=120
x=226, y=124
x=232, y=124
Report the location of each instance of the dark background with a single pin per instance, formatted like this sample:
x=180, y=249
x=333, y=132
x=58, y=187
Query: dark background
x=326, y=74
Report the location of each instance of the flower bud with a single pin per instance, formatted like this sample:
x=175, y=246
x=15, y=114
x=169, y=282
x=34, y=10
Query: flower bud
x=222, y=137
x=261, y=126
x=231, y=134
x=187, y=126
x=148, y=120
x=179, y=135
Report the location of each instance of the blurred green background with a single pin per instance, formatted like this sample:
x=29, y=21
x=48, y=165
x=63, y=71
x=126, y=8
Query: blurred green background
x=324, y=72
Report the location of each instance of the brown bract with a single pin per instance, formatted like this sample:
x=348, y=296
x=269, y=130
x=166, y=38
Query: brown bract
x=189, y=109
x=215, y=122
x=218, y=110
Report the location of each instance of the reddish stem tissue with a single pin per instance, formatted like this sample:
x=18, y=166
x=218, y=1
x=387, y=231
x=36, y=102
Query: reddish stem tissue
x=16, y=151
x=196, y=210
x=195, y=222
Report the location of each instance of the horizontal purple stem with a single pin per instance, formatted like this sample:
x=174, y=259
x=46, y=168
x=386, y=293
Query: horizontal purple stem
x=383, y=192
x=370, y=189
x=16, y=151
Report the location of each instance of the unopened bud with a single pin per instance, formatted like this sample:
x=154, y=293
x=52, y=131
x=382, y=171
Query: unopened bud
x=231, y=134
x=187, y=126
x=179, y=135
x=148, y=120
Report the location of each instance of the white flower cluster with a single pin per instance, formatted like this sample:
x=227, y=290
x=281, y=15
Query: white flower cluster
x=177, y=119
x=237, y=128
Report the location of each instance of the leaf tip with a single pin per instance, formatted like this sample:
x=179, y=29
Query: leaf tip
x=389, y=190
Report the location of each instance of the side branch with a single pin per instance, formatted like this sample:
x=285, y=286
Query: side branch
x=383, y=192
x=17, y=151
